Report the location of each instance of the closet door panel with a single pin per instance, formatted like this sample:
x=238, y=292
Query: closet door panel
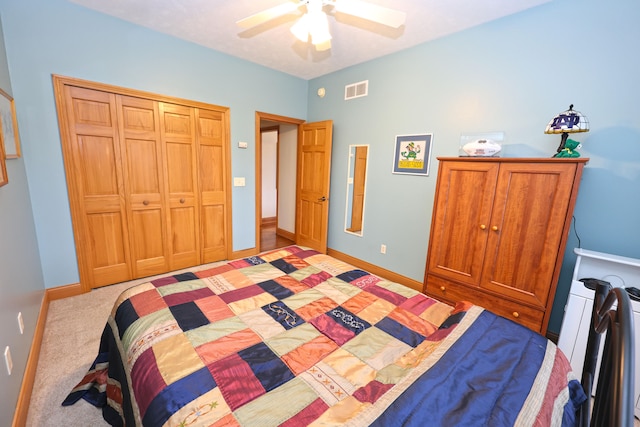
x=95, y=176
x=212, y=173
x=140, y=130
x=179, y=145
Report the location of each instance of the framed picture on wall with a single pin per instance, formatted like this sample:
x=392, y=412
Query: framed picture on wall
x=9, y=126
x=3, y=165
x=412, y=154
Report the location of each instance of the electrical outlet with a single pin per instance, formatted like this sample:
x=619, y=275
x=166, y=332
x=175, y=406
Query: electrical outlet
x=383, y=249
x=20, y=323
x=7, y=360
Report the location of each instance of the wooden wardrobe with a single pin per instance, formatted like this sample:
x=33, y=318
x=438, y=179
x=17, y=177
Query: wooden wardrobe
x=148, y=180
x=499, y=231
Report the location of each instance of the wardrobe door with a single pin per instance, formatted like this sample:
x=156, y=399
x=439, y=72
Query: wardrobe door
x=95, y=179
x=144, y=184
x=178, y=136
x=212, y=161
x=531, y=207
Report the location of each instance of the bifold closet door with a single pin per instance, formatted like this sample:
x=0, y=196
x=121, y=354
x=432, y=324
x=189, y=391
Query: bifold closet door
x=212, y=167
x=141, y=149
x=96, y=182
x=179, y=141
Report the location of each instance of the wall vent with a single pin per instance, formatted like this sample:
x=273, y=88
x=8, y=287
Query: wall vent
x=356, y=90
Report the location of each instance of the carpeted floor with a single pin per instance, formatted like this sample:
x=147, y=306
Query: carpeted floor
x=69, y=346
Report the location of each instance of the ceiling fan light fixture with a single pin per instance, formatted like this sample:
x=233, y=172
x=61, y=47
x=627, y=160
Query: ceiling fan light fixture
x=301, y=29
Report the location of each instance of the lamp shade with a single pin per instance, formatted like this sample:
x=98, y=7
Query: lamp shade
x=569, y=121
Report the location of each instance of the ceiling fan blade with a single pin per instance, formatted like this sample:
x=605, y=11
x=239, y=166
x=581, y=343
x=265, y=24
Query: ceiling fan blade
x=371, y=12
x=267, y=15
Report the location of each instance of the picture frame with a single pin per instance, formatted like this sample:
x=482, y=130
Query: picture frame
x=9, y=124
x=412, y=154
x=4, y=178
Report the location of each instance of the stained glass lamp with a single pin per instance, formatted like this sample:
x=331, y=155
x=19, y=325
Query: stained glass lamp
x=567, y=122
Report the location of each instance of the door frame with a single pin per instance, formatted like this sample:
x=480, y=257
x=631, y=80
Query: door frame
x=259, y=118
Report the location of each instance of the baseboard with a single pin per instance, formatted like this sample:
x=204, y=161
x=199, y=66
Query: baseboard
x=267, y=222
x=64, y=291
x=26, y=389
x=286, y=234
x=378, y=271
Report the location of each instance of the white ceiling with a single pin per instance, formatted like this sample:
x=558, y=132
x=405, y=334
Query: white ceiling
x=211, y=23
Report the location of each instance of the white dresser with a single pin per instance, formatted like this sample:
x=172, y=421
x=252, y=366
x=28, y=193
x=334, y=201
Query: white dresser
x=620, y=272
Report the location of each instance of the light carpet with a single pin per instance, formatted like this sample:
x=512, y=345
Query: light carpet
x=69, y=345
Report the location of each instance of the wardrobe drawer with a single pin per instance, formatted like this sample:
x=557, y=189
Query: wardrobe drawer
x=452, y=292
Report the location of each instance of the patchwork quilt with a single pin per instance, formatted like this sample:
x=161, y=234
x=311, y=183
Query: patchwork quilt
x=294, y=338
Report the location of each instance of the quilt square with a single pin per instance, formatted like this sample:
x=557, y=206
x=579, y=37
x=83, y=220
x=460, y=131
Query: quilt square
x=377, y=348
x=306, y=416
x=164, y=281
x=227, y=373
x=282, y=314
x=236, y=279
x=316, y=308
x=308, y=354
x=376, y=311
x=252, y=303
x=188, y=316
x=349, y=367
x=284, y=266
x=316, y=278
x=339, y=325
x=240, y=294
x=146, y=379
x=177, y=395
x=352, y=275
x=413, y=322
x=292, y=284
x=215, y=331
x=266, y=365
x=185, y=277
x=176, y=358
x=286, y=341
x=183, y=297
x=179, y=287
x=213, y=271
x=262, y=272
x=359, y=302
x=227, y=345
x=125, y=316
x=400, y=332
x=386, y=294
x=303, y=298
x=261, y=323
x=147, y=302
x=275, y=289
x=214, y=308
x=418, y=304
x=204, y=410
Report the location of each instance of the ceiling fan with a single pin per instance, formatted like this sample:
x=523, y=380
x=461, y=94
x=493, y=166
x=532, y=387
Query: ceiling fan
x=314, y=25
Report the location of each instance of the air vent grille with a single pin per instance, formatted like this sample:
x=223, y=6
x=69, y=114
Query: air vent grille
x=356, y=90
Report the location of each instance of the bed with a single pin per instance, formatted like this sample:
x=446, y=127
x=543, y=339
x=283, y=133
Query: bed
x=294, y=337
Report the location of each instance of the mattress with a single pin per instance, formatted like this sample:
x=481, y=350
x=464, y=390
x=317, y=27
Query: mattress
x=293, y=337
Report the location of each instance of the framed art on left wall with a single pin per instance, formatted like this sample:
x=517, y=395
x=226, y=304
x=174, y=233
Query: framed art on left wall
x=4, y=179
x=9, y=124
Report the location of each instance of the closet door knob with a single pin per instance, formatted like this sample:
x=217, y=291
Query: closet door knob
x=145, y=202
x=494, y=228
x=181, y=200
x=482, y=226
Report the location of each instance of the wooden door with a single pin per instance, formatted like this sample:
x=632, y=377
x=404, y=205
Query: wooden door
x=178, y=135
x=314, y=168
x=359, y=175
x=459, y=228
x=141, y=147
x=96, y=185
x=530, y=209
x=212, y=167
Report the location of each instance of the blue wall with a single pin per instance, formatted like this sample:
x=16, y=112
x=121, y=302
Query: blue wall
x=21, y=283
x=511, y=75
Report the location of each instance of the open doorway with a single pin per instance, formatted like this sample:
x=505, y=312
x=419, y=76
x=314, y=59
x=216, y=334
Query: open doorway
x=276, y=157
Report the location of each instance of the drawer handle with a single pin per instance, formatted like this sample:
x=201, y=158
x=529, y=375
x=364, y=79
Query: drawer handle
x=443, y=289
x=516, y=314
x=494, y=228
x=145, y=202
x=483, y=227
x=181, y=200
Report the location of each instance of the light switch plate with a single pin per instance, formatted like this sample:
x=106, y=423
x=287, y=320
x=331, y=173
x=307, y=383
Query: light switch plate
x=7, y=360
x=238, y=181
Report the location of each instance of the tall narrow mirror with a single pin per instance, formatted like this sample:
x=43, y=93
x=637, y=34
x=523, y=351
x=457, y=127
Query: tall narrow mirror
x=356, y=188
